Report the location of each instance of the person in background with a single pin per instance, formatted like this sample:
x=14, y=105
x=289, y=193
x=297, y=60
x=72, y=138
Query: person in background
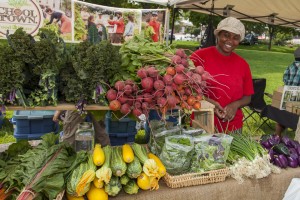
x=230, y=87
x=99, y=23
x=129, y=28
x=85, y=15
x=65, y=26
x=93, y=35
x=120, y=28
x=291, y=77
x=156, y=27
x=70, y=125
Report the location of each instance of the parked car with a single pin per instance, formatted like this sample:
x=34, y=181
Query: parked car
x=173, y=38
x=250, y=39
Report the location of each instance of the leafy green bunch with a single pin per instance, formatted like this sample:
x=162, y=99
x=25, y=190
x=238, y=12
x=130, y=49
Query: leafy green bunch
x=11, y=76
x=94, y=65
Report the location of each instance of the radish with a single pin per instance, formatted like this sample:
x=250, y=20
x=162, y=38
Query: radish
x=148, y=97
x=168, y=79
x=205, y=76
x=176, y=59
x=179, y=68
x=168, y=90
x=152, y=72
x=145, y=105
x=171, y=100
x=119, y=85
x=159, y=93
x=159, y=85
x=114, y=105
x=129, y=82
x=197, y=78
x=128, y=89
x=137, y=104
x=184, y=62
x=188, y=91
x=125, y=109
x=123, y=99
x=179, y=79
x=162, y=101
x=180, y=52
x=142, y=73
x=111, y=94
x=147, y=83
x=199, y=70
x=137, y=112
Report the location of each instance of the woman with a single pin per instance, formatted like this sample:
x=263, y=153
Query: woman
x=66, y=26
x=93, y=35
x=129, y=28
x=230, y=86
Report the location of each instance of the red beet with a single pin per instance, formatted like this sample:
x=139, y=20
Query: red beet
x=137, y=104
x=142, y=73
x=152, y=72
x=199, y=70
x=205, y=76
x=176, y=59
x=168, y=79
x=184, y=62
x=179, y=79
x=180, y=52
x=159, y=93
x=128, y=89
x=119, y=85
x=111, y=94
x=161, y=102
x=148, y=97
x=197, y=78
x=123, y=99
x=129, y=82
x=147, y=83
x=171, y=101
x=179, y=68
x=145, y=105
x=137, y=112
x=125, y=109
x=159, y=85
x=168, y=90
x=188, y=91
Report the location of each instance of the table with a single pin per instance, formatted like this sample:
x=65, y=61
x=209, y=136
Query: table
x=272, y=187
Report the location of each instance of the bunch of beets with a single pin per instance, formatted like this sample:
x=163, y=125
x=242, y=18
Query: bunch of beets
x=180, y=86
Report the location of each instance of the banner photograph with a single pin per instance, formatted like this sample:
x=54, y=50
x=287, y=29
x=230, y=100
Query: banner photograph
x=76, y=21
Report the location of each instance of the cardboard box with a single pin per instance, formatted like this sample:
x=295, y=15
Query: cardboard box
x=276, y=103
x=293, y=107
x=277, y=95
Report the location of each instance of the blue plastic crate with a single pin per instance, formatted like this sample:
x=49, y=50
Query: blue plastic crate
x=125, y=125
x=34, y=122
x=117, y=139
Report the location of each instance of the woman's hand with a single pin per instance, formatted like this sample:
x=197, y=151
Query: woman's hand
x=230, y=111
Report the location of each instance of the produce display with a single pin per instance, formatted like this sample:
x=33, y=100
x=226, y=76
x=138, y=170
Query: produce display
x=284, y=152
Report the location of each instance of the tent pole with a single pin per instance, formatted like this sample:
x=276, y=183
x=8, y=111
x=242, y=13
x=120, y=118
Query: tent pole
x=173, y=24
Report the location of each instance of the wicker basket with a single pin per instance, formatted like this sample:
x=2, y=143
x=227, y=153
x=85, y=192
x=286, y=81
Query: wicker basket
x=190, y=179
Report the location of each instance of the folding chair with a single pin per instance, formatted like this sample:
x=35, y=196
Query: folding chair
x=257, y=104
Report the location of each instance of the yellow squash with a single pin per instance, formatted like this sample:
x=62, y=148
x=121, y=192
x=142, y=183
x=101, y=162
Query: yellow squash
x=96, y=194
x=98, y=155
x=98, y=183
x=161, y=168
x=127, y=153
x=143, y=181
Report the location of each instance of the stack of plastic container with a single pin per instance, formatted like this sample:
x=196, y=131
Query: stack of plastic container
x=31, y=125
x=120, y=131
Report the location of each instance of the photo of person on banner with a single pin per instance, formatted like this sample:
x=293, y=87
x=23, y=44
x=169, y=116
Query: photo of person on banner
x=120, y=27
x=153, y=24
x=156, y=27
x=129, y=28
x=65, y=23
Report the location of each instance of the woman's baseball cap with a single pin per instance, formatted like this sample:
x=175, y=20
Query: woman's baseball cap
x=232, y=25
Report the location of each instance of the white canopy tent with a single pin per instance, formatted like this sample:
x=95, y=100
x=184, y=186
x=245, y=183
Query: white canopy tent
x=277, y=12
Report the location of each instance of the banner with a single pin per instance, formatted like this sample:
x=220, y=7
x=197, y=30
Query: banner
x=77, y=21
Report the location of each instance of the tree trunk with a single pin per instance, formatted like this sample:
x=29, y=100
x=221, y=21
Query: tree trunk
x=271, y=35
